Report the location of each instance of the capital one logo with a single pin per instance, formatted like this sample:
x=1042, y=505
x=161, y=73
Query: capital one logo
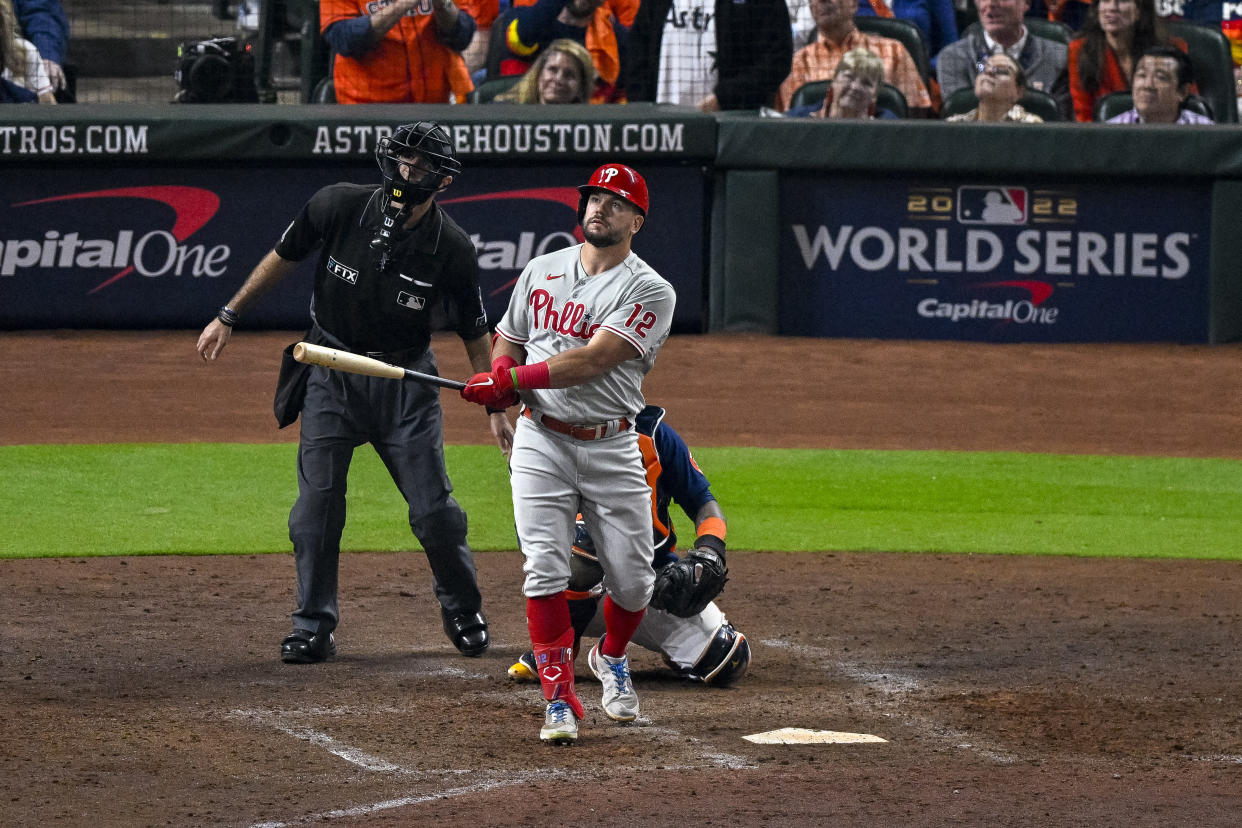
x=152, y=253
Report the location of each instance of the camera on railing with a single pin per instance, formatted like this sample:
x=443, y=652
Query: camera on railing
x=220, y=70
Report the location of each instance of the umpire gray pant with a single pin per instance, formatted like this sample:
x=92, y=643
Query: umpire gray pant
x=402, y=420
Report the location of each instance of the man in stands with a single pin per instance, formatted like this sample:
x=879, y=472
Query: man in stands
x=1000, y=30
x=836, y=34
x=1161, y=84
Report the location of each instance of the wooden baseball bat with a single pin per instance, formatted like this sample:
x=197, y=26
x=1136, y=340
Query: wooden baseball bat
x=359, y=364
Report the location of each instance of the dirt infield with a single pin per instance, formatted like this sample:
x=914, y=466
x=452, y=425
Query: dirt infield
x=1011, y=691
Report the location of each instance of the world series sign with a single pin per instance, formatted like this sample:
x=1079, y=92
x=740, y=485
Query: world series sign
x=1002, y=261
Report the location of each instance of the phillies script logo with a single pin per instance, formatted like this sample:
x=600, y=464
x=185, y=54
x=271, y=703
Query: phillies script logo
x=154, y=253
x=571, y=320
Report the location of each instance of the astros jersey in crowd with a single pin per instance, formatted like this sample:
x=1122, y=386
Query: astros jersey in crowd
x=409, y=64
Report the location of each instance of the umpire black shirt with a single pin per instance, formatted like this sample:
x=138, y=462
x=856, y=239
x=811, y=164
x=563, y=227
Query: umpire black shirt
x=393, y=310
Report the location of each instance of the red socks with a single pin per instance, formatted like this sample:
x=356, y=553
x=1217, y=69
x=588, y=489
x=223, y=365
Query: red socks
x=619, y=626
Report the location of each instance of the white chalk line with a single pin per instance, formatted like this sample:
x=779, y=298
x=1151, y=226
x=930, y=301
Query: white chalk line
x=895, y=686
x=488, y=781
x=522, y=778
x=364, y=760
x=1224, y=758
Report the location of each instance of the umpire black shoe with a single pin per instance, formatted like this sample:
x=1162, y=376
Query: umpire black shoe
x=467, y=631
x=306, y=647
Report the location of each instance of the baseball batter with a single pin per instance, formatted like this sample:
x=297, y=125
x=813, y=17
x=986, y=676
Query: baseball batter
x=389, y=257
x=682, y=623
x=581, y=331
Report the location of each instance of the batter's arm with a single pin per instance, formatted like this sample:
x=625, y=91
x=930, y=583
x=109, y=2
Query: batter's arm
x=604, y=352
x=502, y=347
x=271, y=270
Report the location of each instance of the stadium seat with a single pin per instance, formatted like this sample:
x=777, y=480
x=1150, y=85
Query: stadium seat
x=324, y=92
x=486, y=91
x=887, y=97
x=497, y=48
x=905, y=32
x=1049, y=29
x=1035, y=101
x=1213, y=64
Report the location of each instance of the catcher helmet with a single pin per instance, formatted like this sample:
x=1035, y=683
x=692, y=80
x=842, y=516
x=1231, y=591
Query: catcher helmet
x=619, y=180
x=425, y=139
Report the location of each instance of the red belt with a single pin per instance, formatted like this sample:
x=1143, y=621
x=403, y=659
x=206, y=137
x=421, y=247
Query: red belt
x=578, y=432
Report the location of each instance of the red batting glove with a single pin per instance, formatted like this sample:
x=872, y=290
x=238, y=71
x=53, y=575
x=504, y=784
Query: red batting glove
x=493, y=389
x=501, y=365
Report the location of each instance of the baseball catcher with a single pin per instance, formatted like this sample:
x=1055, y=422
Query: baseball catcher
x=682, y=623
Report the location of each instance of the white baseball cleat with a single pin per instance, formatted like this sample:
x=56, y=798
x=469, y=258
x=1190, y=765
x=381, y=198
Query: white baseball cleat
x=619, y=700
x=560, y=726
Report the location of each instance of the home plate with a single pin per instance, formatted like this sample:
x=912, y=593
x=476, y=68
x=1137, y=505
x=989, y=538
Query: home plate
x=802, y=736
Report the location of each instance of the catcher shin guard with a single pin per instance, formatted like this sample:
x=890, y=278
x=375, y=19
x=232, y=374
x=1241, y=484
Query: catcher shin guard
x=725, y=660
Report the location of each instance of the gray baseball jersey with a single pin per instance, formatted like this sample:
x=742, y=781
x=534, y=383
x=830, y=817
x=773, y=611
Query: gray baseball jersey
x=556, y=306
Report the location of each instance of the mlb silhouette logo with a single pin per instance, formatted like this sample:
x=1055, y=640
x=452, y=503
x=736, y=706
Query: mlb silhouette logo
x=411, y=301
x=991, y=205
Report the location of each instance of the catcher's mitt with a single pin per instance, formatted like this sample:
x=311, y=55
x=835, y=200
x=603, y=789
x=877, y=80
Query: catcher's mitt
x=685, y=587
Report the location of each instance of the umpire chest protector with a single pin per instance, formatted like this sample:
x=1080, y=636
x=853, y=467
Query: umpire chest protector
x=397, y=308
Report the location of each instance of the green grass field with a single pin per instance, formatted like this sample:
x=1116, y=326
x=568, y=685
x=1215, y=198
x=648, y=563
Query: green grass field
x=138, y=499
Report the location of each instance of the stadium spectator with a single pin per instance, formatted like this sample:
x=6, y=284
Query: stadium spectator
x=484, y=13
x=719, y=55
x=1072, y=13
x=1102, y=56
x=852, y=94
x=1000, y=29
x=936, y=19
x=1162, y=82
x=22, y=70
x=836, y=34
x=999, y=87
x=599, y=25
x=563, y=73
x=43, y=23
x=397, y=52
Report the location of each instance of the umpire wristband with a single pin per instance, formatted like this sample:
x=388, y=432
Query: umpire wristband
x=227, y=316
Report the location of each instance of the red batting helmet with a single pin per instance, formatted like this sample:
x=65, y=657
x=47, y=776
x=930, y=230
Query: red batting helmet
x=619, y=179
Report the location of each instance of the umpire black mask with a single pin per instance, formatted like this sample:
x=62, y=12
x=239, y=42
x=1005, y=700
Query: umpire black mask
x=416, y=160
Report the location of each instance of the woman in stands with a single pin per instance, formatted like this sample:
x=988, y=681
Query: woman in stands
x=855, y=85
x=563, y=73
x=999, y=87
x=1102, y=56
x=23, y=77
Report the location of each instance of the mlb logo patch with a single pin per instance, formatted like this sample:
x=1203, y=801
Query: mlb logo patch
x=992, y=205
x=411, y=301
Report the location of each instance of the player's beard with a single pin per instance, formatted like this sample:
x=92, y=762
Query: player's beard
x=602, y=238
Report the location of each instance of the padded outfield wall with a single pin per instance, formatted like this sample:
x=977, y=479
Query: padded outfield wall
x=150, y=216
x=985, y=232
